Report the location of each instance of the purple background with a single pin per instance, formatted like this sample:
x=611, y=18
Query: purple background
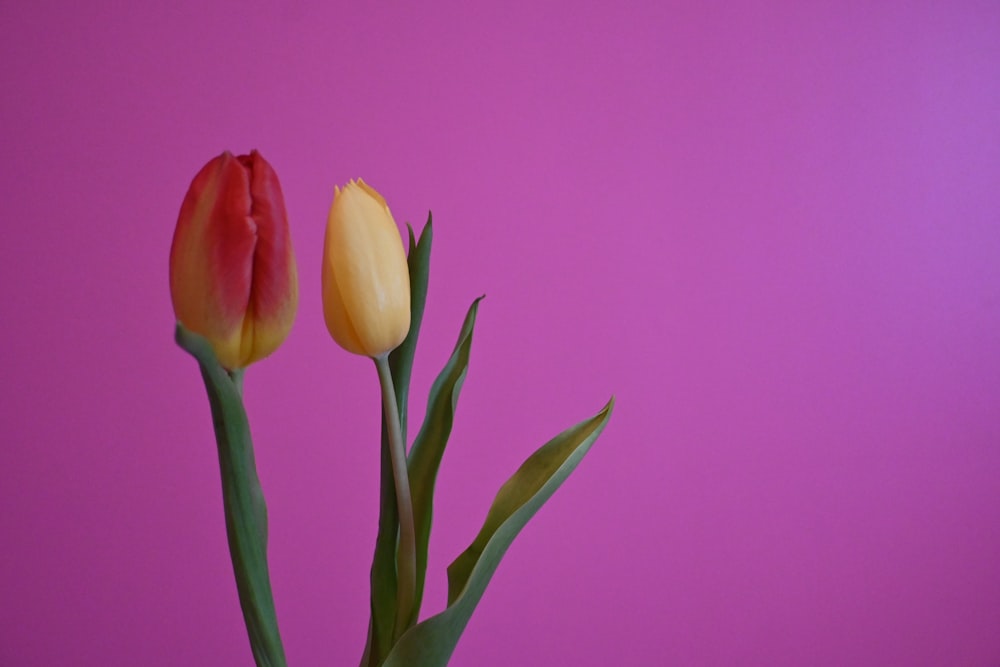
x=771, y=229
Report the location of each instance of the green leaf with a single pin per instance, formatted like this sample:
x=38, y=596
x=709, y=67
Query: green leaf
x=243, y=500
x=383, y=570
x=401, y=359
x=432, y=642
x=429, y=445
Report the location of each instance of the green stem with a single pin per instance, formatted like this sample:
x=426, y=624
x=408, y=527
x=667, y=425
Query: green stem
x=407, y=557
x=242, y=499
x=237, y=378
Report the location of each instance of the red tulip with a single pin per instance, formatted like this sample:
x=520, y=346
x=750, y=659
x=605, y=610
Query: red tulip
x=232, y=270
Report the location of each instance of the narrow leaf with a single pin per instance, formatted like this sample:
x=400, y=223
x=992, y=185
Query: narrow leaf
x=383, y=570
x=432, y=642
x=401, y=359
x=429, y=445
x=243, y=501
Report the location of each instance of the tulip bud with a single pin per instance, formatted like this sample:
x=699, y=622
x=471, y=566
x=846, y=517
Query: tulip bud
x=232, y=269
x=366, y=283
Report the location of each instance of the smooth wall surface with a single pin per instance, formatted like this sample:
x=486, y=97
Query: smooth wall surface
x=771, y=229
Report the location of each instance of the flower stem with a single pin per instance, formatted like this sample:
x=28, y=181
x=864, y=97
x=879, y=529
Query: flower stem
x=407, y=555
x=242, y=500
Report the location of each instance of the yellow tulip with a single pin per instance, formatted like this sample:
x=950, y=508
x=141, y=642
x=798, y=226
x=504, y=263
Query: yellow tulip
x=232, y=270
x=366, y=283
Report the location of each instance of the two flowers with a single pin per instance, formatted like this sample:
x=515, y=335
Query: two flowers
x=233, y=280
x=233, y=277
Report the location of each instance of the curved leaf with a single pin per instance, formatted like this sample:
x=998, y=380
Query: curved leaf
x=242, y=498
x=432, y=642
x=428, y=447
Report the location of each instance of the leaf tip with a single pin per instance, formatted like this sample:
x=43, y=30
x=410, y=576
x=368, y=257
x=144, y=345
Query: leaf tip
x=411, y=238
x=187, y=340
x=605, y=412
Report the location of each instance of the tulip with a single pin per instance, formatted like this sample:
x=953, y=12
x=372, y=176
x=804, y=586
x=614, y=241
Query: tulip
x=366, y=283
x=232, y=270
x=366, y=304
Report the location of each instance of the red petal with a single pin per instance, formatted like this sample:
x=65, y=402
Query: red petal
x=273, y=270
x=231, y=237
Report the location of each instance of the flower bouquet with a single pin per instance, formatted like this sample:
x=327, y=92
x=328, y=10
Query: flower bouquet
x=234, y=288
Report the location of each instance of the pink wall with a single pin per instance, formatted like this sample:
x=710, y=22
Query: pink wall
x=771, y=229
